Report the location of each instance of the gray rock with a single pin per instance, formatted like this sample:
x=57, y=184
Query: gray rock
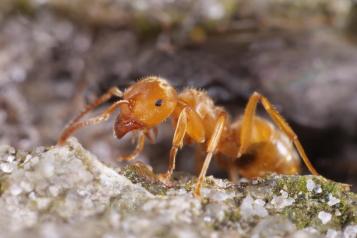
x=67, y=192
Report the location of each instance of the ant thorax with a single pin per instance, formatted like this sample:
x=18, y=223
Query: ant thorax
x=200, y=102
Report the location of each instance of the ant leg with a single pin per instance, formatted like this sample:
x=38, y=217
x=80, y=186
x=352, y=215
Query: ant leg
x=233, y=173
x=229, y=166
x=211, y=149
x=199, y=153
x=177, y=142
x=69, y=130
x=151, y=134
x=139, y=147
x=278, y=120
x=247, y=124
x=114, y=91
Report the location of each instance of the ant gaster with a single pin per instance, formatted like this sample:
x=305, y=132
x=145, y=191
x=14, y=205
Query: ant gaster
x=149, y=102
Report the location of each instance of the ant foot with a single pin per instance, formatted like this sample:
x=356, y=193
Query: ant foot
x=165, y=178
x=197, y=192
x=125, y=158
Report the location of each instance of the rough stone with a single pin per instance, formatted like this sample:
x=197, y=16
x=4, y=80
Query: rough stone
x=67, y=192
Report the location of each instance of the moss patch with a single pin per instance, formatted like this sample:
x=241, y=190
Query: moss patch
x=139, y=173
x=304, y=211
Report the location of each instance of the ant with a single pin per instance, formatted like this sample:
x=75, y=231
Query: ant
x=253, y=145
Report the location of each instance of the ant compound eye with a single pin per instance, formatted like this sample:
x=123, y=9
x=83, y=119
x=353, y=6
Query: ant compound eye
x=158, y=102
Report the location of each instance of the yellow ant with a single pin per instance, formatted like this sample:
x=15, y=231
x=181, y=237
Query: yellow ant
x=253, y=145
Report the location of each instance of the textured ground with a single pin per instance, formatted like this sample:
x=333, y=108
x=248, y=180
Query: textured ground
x=67, y=192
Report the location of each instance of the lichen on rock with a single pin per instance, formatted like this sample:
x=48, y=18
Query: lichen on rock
x=67, y=192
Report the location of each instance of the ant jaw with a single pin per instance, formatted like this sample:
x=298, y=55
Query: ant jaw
x=124, y=125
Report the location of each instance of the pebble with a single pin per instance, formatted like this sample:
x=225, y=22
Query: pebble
x=332, y=200
x=282, y=201
x=7, y=167
x=324, y=217
x=251, y=207
x=310, y=185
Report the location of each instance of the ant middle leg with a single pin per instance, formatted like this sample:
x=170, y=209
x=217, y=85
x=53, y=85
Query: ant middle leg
x=211, y=149
x=247, y=125
x=199, y=155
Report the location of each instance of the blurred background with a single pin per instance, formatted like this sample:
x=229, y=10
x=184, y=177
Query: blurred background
x=57, y=55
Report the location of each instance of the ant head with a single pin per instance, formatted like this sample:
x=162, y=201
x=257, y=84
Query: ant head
x=151, y=101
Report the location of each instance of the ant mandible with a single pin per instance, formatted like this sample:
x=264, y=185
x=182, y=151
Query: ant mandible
x=253, y=145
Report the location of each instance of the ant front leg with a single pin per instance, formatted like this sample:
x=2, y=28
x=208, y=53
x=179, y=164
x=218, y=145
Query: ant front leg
x=247, y=125
x=139, y=147
x=140, y=143
x=69, y=130
x=151, y=134
x=114, y=91
x=211, y=149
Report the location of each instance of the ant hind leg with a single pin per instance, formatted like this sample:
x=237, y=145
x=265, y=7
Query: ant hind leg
x=247, y=123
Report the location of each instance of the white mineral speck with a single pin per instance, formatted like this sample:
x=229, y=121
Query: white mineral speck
x=205, y=192
x=251, y=207
x=15, y=190
x=87, y=204
x=282, y=201
x=332, y=200
x=7, y=167
x=27, y=159
x=114, y=219
x=49, y=230
x=10, y=158
x=220, y=183
x=54, y=190
x=310, y=185
x=26, y=186
x=325, y=217
x=318, y=189
x=33, y=161
x=214, y=10
x=207, y=219
x=32, y=196
x=310, y=230
x=220, y=196
x=215, y=211
x=42, y=203
x=350, y=232
x=338, y=213
x=47, y=168
x=333, y=234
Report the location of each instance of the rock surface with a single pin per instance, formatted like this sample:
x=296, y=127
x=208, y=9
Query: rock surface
x=67, y=192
